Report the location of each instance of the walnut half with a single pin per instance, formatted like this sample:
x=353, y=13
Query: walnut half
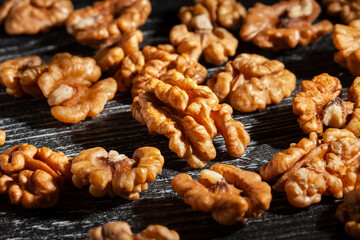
x=2, y=137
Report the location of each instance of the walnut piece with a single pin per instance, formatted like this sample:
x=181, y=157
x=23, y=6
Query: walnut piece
x=346, y=40
x=190, y=116
x=319, y=104
x=315, y=167
x=284, y=25
x=121, y=230
x=225, y=13
x=33, y=176
x=114, y=174
x=349, y=213
x=103, y=24
x=11, y=71
x=32, y=17
x=250, y=82
x=346, y=10
x=2, y=137
x=229, y=193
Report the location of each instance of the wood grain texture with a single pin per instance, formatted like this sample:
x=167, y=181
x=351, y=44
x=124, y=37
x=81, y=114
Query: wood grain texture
x=272, y=130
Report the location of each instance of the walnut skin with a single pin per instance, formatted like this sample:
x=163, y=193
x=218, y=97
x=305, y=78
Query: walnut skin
x=349, y=213
x=121, y=230
x=33, y=176
x=103, y=24
x=2, y=137
x=114, y=174
x=11, y=72
x=319, y=104
x=346, y=10
x=250, y=82
x=190, y=116
x=34, y=16
x=346, y=40
x=284, y=25
x=226, y=13
x=315, y=167
x=229, y=193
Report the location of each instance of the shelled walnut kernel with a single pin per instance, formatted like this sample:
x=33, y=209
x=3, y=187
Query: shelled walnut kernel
x=114, y=174
x=346, y=10
x=2, y=137
x=33, y=176
x=284, y=25
x=250, y=82
x=229, y=193
x=121, y=230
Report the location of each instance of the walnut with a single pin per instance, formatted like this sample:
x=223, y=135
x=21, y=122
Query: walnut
x=346, y=10
x=349, y=213
x=114, y=174
x=216, y=44
x=250, y=82
x=33, y=176
x=354, y=96
x=229, y=193
x=226, y=13
x=121, y=230
x=103, y=24
x=34, y=16
x=315, y=167
x=346, y=40
x=319, y=104
x=190, y=116
x=284, y=25
x=11, y=71
x=2, y=137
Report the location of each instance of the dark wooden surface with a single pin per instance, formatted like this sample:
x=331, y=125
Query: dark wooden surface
x=272, y=130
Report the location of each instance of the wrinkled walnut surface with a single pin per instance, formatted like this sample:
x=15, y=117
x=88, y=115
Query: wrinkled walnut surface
x=103, y=24
x=190, y=116
x=2, y=137
x=34, y=16
x=114, y=174
x=229, y=193
x=284, y=25
x=33, y=176
x=346, y=10
x=122, y=231
x=250, y=82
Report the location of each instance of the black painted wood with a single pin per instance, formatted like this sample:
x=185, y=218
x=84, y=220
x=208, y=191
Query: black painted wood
x=272, y=130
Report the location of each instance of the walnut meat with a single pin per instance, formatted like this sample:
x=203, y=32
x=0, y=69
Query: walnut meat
x=226, y=13
x=32, y=17
x=33, y=176
x=121, y=230
x=229, y=193
x=250, y=82
x=284, y=25
x=349, y=213
x=346, y=10
x=319, y=104
x=2, y=137
x=114, y=174
x=103, y=24
x=11, y=72
x=346, y=40
x=315, y=167
x=190, y=116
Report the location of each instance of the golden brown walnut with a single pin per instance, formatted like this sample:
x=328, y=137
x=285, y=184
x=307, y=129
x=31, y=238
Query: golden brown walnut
x=29, y=80
x=229, y=193
x=346, y=10
x=284, y=25
x=349, y=213
x=2, y=137
x=33, y=176
x=226, y=13
x=216, y=44
x=190, y=116
x=250, y=82
x=121, y=230
x=319, y=104
x=314, y=167
x=103, y=24
x=11, y=71
x=114, y=174
x=346, y=40
x=34, y=16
